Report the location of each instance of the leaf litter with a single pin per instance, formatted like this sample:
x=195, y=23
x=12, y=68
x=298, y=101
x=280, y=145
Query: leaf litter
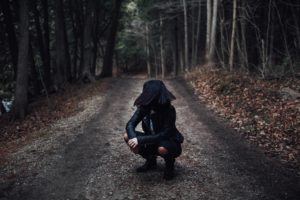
x=256, y=108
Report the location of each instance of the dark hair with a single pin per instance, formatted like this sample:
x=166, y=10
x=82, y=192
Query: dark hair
x=154, y=92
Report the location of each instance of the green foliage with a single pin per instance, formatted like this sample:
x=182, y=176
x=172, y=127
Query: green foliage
x=131, y=37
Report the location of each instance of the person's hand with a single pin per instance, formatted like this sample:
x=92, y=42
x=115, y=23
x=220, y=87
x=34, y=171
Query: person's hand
x=133, y=142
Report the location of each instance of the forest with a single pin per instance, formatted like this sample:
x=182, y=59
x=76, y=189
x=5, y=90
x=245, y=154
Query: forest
x=71, y=69
x=46, y=45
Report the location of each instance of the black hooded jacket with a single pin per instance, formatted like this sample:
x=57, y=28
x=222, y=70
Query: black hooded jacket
x=161, y=119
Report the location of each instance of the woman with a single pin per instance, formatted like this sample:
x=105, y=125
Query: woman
x=160, y=136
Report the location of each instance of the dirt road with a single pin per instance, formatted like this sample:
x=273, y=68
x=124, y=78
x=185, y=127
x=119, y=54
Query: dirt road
x=84, y=157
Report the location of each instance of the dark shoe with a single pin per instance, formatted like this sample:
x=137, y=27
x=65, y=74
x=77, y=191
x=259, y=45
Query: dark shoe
x=149, y=165
x=169, y=170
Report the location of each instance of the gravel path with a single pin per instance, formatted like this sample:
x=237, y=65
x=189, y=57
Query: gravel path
x=84, y=157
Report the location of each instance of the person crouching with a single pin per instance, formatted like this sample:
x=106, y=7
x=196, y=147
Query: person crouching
x=160, y=136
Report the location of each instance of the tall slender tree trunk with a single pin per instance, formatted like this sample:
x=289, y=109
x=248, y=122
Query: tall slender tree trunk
x=68, y=69
x=47, y=59
x=148, y=52
x=243, y=35
x=176, y=51
x=75, y=44
x=21, y=97
x=34, y=74
x=196, y=43
x=208, y=25
x=181, y=57
x=231, y=55
x=12, y=39
x=39, y=33
x=88, y=42
x=95, y=39
x=156, y=64
x=173, y=53
x=212, y=49
x=62, y=64
x=180, y=46
x=78, y=26
x=109, y=51
x=269, y=34
x=162, y=48
x=186, y=41
x=222, y=39
x=193, y=36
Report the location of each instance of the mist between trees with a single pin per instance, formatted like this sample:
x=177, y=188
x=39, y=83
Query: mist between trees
x=47, y=44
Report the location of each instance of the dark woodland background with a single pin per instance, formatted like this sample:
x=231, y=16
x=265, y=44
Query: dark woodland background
x=48, y=44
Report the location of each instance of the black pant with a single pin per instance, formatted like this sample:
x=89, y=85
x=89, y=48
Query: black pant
x=148, y=150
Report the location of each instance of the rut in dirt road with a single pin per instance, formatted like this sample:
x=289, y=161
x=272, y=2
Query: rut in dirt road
x=93, y=162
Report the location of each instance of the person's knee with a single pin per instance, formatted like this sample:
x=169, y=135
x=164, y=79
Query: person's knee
x=126, y=137
x=135, y=150
x=162, y=151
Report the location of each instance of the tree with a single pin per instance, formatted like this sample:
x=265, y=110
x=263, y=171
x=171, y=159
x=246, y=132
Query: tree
x=21, y=98
x=12, y=39
x=186, y=41
x=62, y=65
x=162, y=48
x=110, y=44
x=212, y=45
x=208, y=26
x=88, y=43
x=46, y=42
x=231, y=56
x=148, y=52
x=175, y=48
x=41, y=46
x=54, y=26
x=196, y=42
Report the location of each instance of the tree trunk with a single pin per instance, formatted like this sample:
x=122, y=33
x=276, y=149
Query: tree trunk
x=77, y=26
x=162, y=48
x=243, y=35
x=148, y=52
x=95, y=39
x=212, y=49
x=12, y=39
x=156, y=64
x=176, y=54
x=231, y=55
x=88, y=43
x=208, y=26
x=196, y=43
x=192, y=38
x=110, y=45
x=21, y=98
x=40, y=40
x=180, y=45
x=34, y=74
x=296, y=21
x=186, y=44
x=222, y=39
x=68, y=75
x=62, y=54
x=47, y=63
x=75, y=44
